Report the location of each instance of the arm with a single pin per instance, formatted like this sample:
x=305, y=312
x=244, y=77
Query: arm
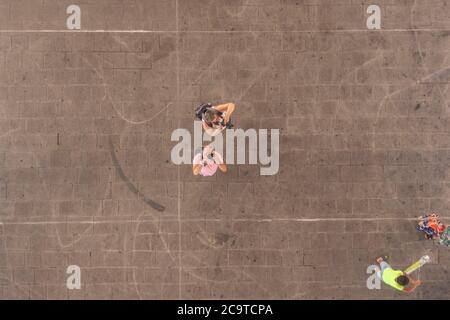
x=228, y=108
x=219, y=160
x=414, y=285
x=196, y=168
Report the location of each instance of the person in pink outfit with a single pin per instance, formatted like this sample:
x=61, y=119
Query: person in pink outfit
x=207, y=161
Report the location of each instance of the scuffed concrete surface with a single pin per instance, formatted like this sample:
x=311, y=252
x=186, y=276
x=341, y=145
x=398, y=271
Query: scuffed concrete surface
x=85, y=171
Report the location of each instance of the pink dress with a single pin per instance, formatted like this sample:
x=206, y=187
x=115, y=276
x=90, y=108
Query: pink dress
x=208, y=170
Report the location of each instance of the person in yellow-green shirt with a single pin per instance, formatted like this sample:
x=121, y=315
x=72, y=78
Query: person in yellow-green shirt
x=396, y=278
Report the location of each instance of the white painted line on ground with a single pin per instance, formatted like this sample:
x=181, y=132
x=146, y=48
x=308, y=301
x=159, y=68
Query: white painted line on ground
x=210, y=220
x=220, y=31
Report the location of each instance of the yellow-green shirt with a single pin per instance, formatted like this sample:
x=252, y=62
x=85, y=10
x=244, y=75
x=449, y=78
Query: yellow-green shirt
x=389, y=276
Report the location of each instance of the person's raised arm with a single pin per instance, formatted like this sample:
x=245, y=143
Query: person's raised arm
x=228, y=108
x=414, y=284
x=223, y=107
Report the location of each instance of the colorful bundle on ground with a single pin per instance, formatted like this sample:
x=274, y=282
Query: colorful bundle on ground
x=431, y=226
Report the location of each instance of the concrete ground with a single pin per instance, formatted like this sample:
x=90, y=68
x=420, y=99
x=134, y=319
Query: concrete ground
x=86, y=177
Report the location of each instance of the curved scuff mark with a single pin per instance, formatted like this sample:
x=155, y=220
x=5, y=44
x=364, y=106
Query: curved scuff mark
x=129, y=184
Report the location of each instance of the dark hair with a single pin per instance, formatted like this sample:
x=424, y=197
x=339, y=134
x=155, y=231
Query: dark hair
x=210, y=113
x=402, y=280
